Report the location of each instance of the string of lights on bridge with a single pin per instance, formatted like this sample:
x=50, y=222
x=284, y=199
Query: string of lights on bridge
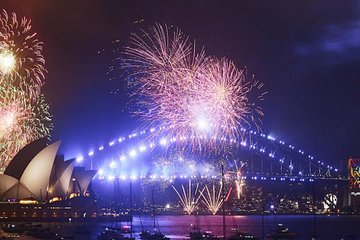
x=142, y=148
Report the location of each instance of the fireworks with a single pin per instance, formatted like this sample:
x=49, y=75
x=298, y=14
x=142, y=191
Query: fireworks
x=22, y=120
x=213, y=200
x=21, y=62
x=7, y=62
x=188, y=95
x=24, y=114
x=189, y=199
x=239, y=182
x=180, y=166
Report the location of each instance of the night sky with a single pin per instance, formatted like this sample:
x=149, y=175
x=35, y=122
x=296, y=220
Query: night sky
x=307, y=53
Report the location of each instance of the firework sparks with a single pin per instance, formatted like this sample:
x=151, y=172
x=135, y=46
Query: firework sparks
x=24, y=114
x=178, y=165
x=213, y=200
x=239, y=182
x=22, y=120
x=21, y=60
x=186, y=94
x=7, y=62
x=189, y=199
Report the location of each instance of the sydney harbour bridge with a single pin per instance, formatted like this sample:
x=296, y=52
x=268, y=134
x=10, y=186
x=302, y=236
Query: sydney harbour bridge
x=265, y=168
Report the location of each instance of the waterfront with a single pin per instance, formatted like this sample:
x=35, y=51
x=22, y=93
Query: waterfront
x=178, y=227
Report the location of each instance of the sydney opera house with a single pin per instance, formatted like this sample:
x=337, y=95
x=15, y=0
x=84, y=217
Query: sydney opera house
x=38, y=183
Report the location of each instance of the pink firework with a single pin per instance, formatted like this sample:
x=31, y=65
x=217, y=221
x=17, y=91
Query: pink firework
x=188, y=96
x=21, y=60
x=22, y=120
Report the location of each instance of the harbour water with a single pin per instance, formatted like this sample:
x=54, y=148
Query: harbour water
x=178, y=227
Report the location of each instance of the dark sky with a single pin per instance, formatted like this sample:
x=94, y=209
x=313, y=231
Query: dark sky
x=306, y=52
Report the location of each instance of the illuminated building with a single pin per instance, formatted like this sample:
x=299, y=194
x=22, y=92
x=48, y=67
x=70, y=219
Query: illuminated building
x=39, y=184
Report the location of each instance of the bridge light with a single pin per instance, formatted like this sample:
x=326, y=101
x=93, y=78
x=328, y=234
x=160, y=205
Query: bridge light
x=112, y=164
x=80, y=159
x=132, y=153
x=91, y=153
x=101, y=148
x=122, y=158
x=163, y=142
x=101, y=171
x=111, y=143
x=142, y=148
x=270, y=138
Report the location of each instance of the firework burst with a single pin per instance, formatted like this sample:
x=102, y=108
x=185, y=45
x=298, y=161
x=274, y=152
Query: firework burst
x=21, y=61
x=178, y=165
x=22, y=120
x=212, y=199
x=186, y=95
x=24, y=114
x=189, y=199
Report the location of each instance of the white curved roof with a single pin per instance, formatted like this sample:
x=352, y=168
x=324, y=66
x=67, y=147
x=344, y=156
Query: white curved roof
x=7, y=182
x=60, y=187
x=83, y=178
x=18, y=191
x=37, y=174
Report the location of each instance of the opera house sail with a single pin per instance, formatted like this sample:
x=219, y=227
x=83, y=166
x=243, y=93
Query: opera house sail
x=40, y=184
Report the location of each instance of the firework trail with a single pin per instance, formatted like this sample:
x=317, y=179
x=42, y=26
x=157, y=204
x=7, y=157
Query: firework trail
x=186, y=95
x=21, y=61
x=239, y=182
x=189, y=199
x=212, y=199
x=22, y=120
